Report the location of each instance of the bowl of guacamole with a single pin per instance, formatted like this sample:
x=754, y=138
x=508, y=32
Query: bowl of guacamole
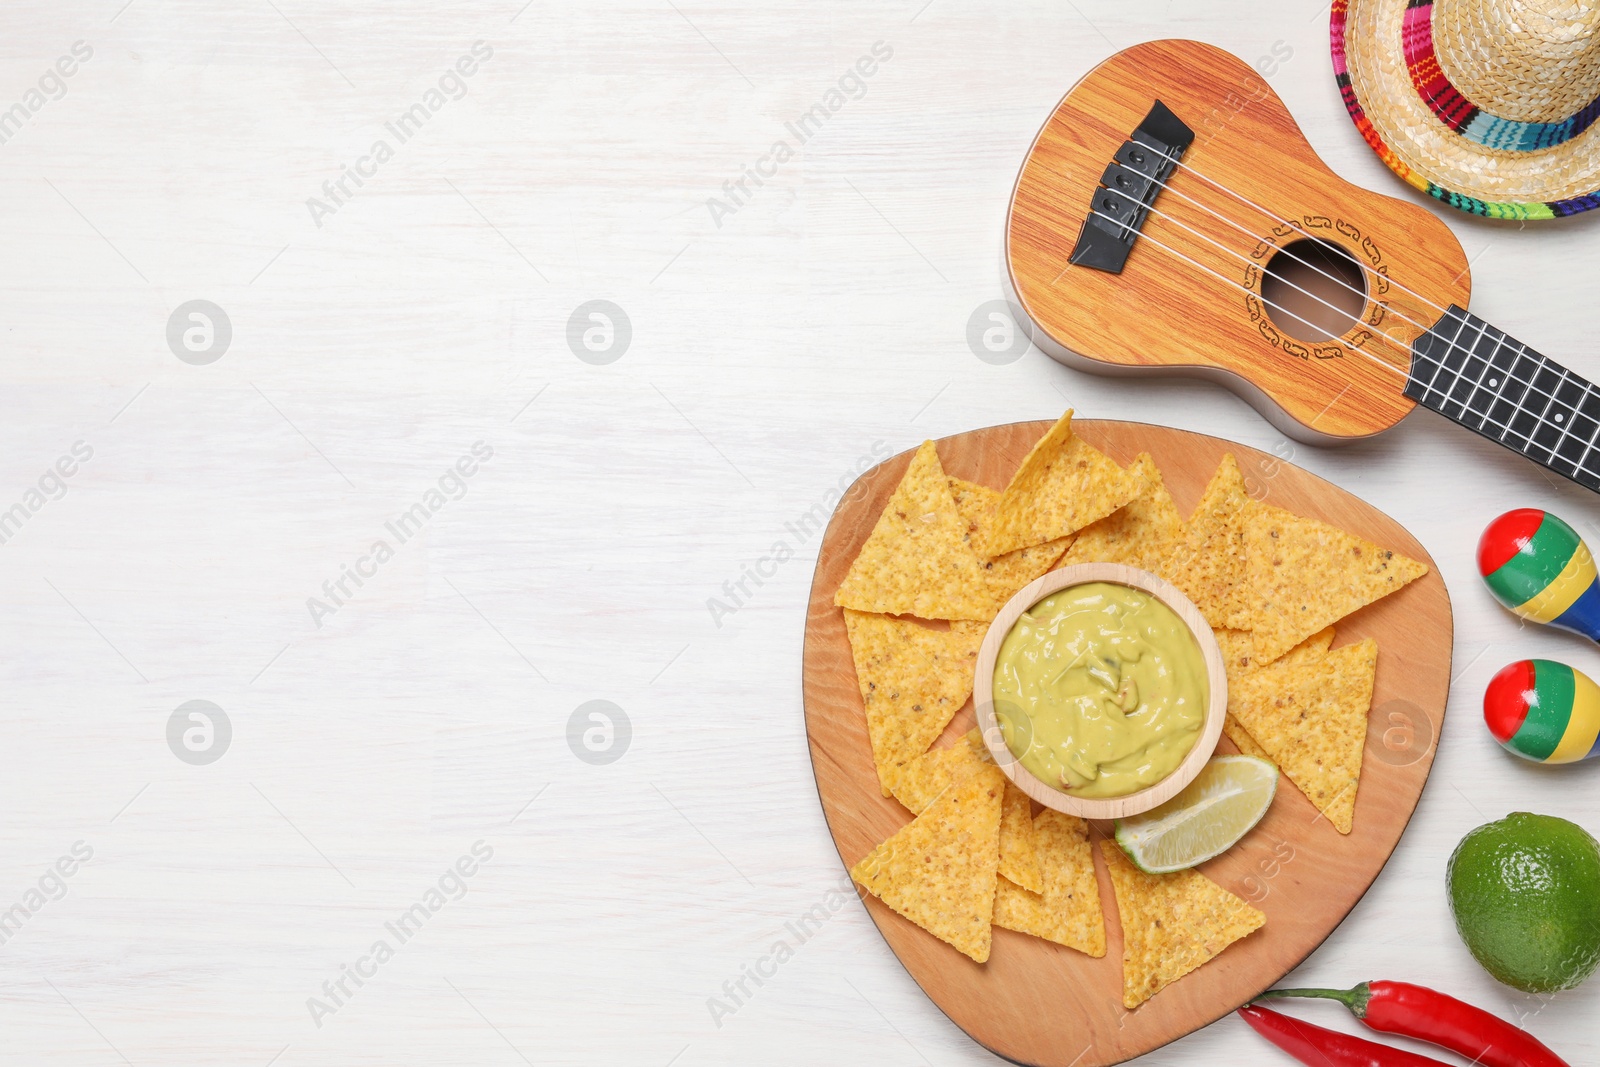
x=1100, y=690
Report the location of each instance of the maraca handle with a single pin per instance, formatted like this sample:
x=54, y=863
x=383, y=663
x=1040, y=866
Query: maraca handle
x=1583, y=615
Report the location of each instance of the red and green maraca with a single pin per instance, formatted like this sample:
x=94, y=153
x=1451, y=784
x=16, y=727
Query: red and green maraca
x=1543, y=711
x=1537, y=565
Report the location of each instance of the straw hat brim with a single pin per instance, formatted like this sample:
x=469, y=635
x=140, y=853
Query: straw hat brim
x=1409, y=137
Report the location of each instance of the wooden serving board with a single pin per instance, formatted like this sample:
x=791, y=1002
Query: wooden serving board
x=1035, y=1002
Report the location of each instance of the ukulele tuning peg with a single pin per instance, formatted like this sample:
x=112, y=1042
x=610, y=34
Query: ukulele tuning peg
x=1543, y=711
x=1537, y=565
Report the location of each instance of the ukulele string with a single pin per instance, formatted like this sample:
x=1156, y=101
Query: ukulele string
x=1529, y=386
x=1292, y=225
x=1250, y=292
x=1342, y=283
x=1354, y=318
x=1286, y=250
x=1539, y=421
x=1451, y=344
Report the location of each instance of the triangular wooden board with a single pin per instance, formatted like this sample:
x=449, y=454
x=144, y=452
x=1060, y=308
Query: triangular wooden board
x=1038, y=1003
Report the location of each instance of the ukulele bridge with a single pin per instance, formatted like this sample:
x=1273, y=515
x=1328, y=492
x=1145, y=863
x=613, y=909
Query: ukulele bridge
x=1121, y=202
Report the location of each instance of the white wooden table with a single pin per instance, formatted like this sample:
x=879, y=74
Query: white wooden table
x=770, y=347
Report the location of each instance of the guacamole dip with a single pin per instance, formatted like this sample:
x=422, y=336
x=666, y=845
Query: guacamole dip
x=1100, y=690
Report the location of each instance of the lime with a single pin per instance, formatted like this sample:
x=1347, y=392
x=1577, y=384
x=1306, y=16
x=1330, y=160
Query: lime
x=1523, y=891
x=1222, y=804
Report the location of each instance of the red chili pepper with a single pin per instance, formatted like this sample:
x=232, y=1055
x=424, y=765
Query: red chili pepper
x=1440, y=1019
x=1320, y=1047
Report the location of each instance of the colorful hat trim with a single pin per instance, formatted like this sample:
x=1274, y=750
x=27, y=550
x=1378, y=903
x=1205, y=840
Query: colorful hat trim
x=1472, y=205
x=1461, y=114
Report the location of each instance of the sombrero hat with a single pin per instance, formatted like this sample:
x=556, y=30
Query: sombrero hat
x=1489, y=105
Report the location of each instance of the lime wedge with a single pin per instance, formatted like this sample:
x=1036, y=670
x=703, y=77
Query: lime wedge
x=1222, y=804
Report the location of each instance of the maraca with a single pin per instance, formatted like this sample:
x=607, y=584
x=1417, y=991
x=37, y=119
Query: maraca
x=1538, y=566
x=1543, y=711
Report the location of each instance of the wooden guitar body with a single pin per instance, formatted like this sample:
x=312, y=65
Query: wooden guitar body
x=1189, y=298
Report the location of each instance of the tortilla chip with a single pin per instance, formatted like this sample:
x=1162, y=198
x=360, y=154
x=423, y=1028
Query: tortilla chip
x=1239, y=650
x=1314, y=647
x=1142, y=533
x=939, y=870
x=1311, y=718
x=922, y=780
x=1067, y=911
x=913, y=680
x=1208, y=563
x=1171, y=924
x=917, y=560
x=919, y=783
x=1063, y=485
x=1303, y=574
x=1019, y=844
x=1012, y=571
x=1242, y=740
x=1238, y=657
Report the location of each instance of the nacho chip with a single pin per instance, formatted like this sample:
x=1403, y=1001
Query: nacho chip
x=1012, y=571
x=1314, y=647
x=1303, y=574
x=1067, y=911
x=912, y=679
x=1208, y=563
x=1242, y=740
x=1019, y=844
x=1063, y=485
x=917, y=560
x=1142, y=533
x=921, y=781
x=1238, y=656
x=939, y=870
x=1171, y=924
x=1311, y=718
x=1239, y=650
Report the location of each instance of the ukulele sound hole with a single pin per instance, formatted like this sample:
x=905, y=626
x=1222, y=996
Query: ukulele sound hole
x=1314, y=290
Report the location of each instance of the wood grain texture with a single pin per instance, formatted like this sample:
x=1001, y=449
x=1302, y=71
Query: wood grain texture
x=1039, y=1003
x=1141, y=800
x=1190, y=295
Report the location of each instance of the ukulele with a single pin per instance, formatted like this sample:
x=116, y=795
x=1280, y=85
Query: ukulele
x=1171, y=217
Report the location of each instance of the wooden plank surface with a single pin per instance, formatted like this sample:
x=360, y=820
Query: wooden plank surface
x=1039, y=1003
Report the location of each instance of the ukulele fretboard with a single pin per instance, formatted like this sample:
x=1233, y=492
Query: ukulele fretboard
x=1495, y=385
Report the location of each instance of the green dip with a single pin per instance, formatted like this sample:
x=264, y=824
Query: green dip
x=1100, y=690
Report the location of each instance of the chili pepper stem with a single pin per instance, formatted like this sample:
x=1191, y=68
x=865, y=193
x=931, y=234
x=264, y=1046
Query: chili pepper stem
x=1412, y=1011
x=1354, y=999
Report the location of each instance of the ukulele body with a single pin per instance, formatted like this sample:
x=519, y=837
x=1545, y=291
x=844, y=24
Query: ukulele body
x=1202, y=314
